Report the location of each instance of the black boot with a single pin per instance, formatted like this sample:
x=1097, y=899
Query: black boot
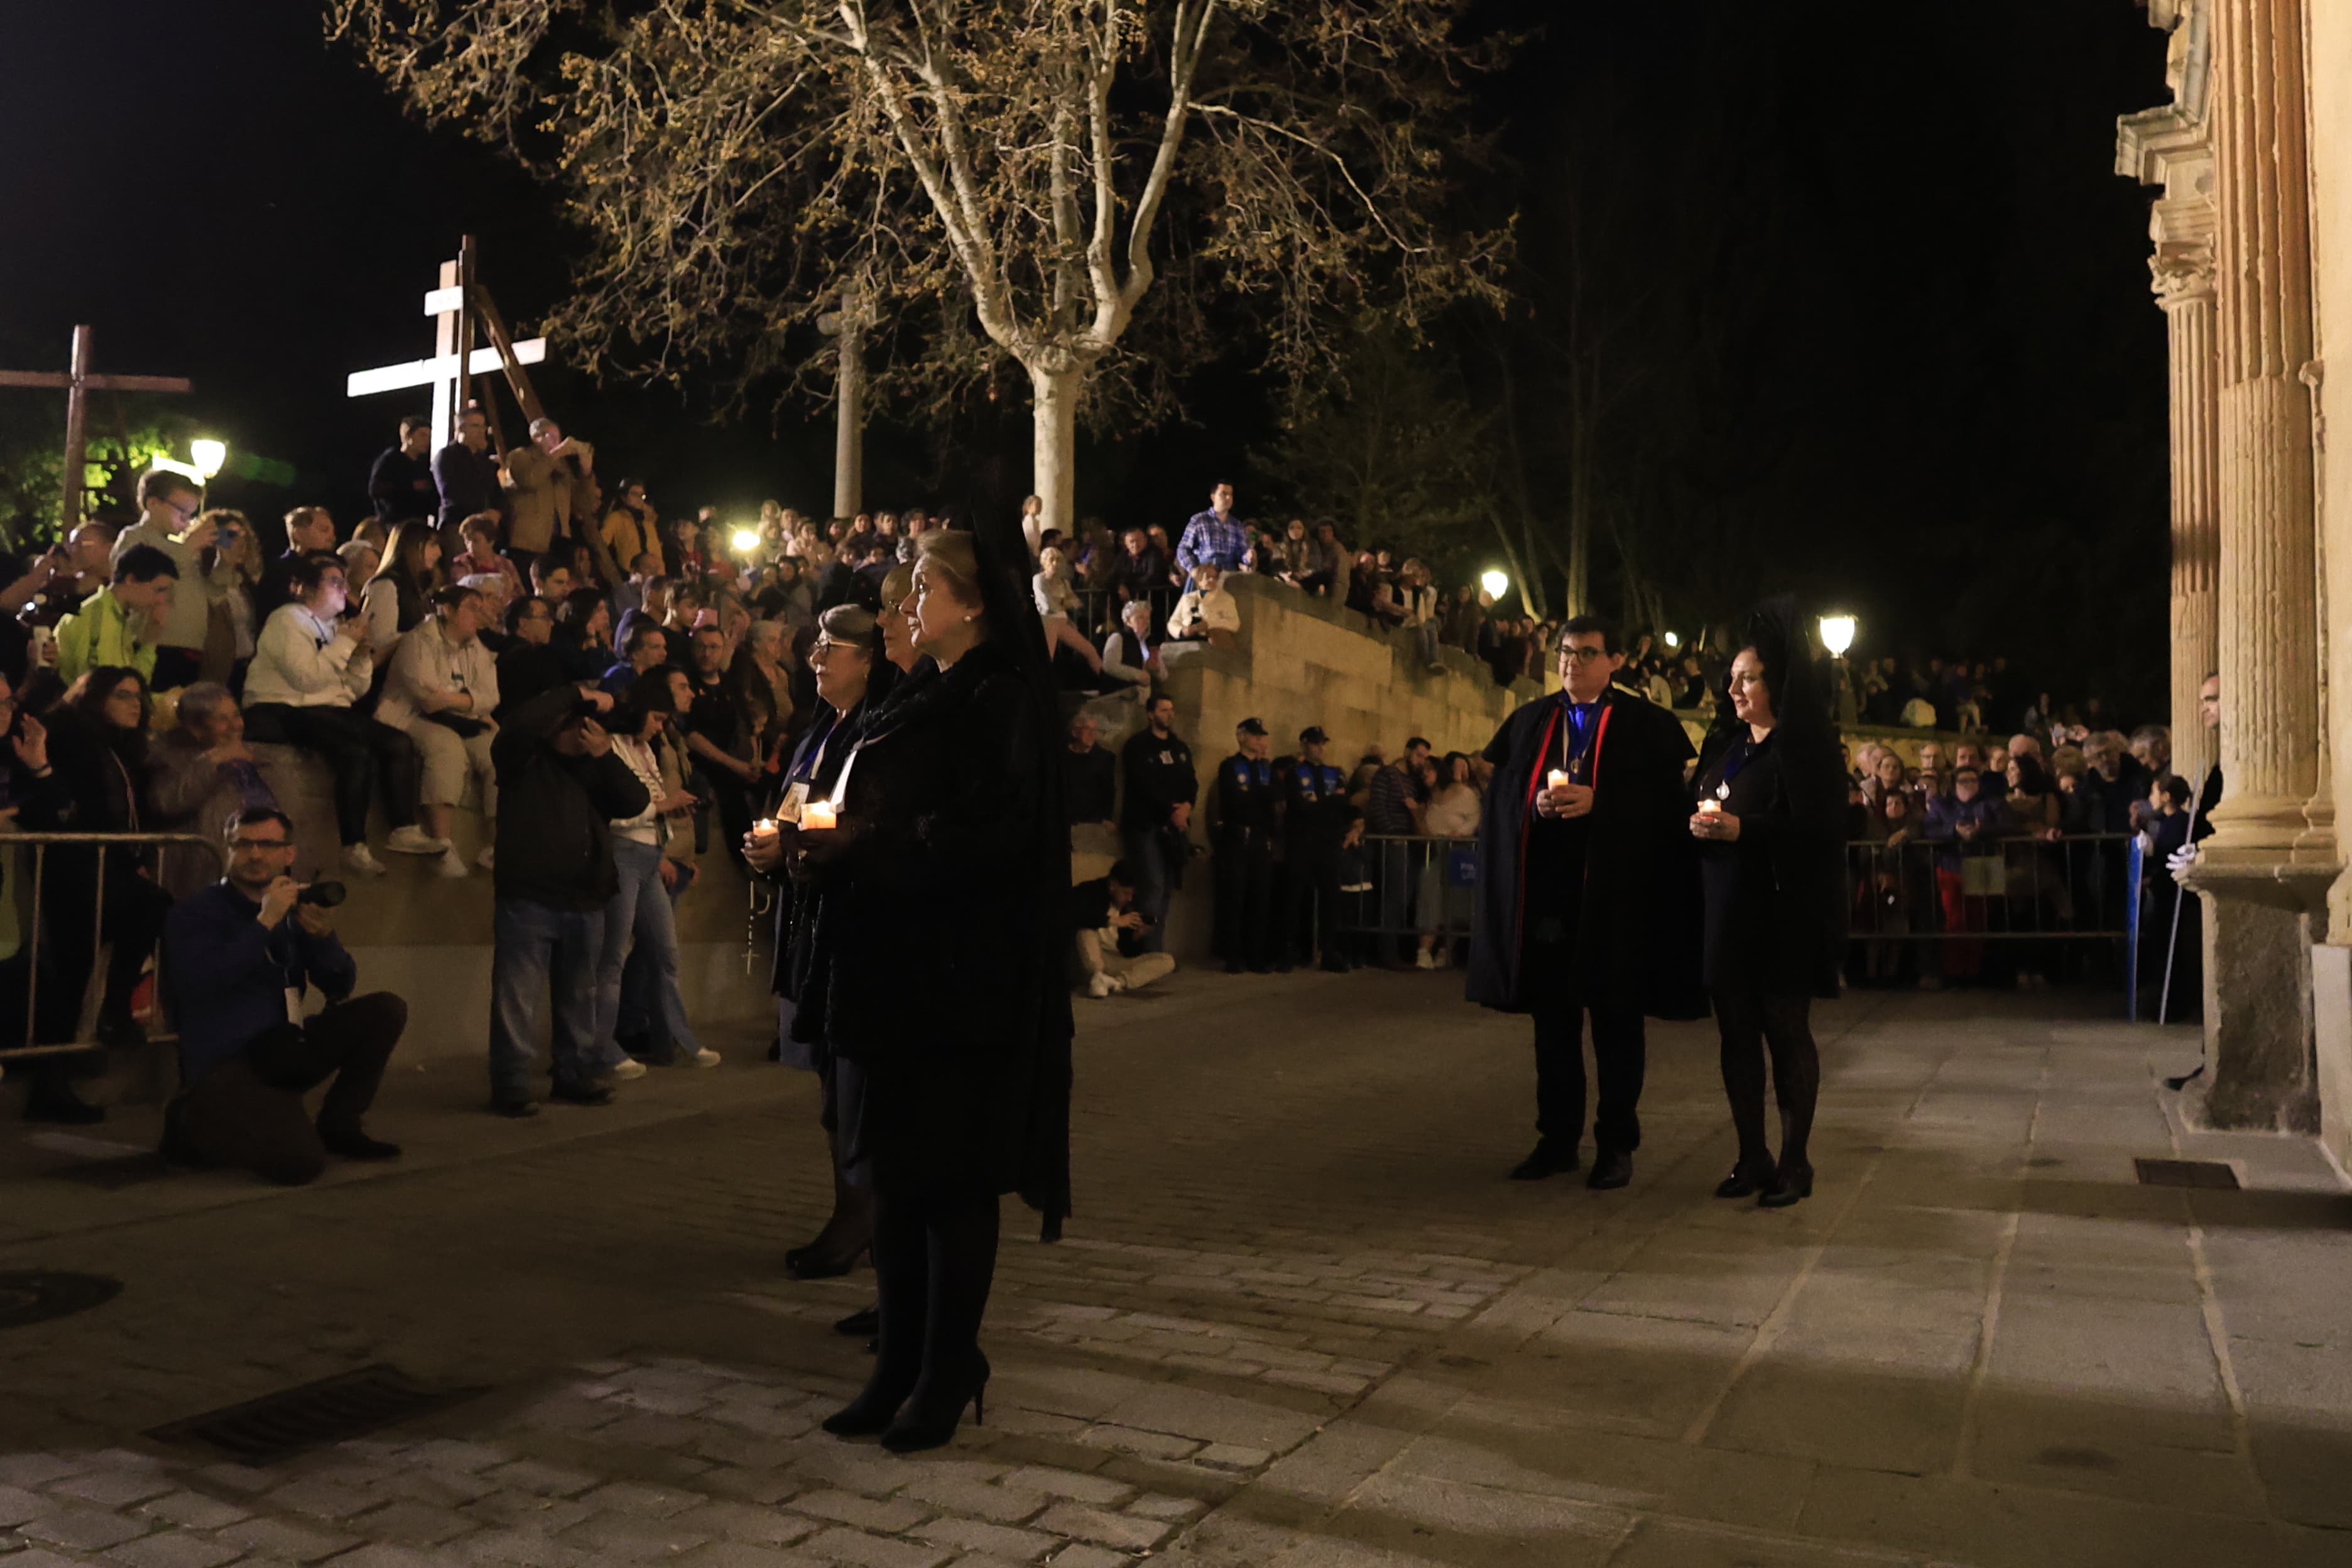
x=962, y=1257
x=902, y=1278
x=1547, y=1159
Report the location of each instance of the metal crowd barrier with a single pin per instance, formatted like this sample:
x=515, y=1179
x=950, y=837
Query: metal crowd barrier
x=1406, y=885
x=2081, y=887
x=1097, y=610
x=40, y=844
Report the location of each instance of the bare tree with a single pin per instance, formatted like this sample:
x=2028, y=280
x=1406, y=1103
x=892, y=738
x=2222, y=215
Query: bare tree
x=1049, y=170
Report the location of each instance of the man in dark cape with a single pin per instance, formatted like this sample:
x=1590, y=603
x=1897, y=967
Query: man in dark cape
x=1588, y=896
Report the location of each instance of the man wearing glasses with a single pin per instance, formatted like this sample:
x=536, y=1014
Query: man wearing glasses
x=527, y=665
x=1588, y=896
x=238, y=957
x=171, y=521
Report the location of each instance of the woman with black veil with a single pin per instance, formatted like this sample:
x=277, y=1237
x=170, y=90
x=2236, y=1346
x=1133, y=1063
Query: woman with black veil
x=1770, y=825
x=952, y=1067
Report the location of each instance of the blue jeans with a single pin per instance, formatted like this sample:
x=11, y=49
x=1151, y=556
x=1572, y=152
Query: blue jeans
x=639, y=916
x=1147, y=857
x=538, y=952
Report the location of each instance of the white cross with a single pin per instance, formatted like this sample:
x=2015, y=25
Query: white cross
x=446, y=306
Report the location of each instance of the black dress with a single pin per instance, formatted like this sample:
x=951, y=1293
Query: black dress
x=1775, y=905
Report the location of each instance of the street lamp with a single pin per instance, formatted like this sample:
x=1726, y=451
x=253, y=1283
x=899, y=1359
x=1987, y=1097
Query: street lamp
x=1674, y=639
x=209, y=455
x=1837, y=634
x=745, y=540
x=1494, y=581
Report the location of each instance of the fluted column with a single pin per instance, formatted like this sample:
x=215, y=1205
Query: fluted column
x=2268, y=640
x=2183, y=269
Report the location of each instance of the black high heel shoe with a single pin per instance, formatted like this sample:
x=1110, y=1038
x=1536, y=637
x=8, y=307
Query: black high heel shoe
x=916, y=1430
x=1745, y=1181
x=874, y=1410
x=1788, y=1187
x=814, y=1262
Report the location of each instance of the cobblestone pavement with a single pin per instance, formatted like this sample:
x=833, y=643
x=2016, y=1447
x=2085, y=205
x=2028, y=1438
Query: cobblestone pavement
x=1300, y=1321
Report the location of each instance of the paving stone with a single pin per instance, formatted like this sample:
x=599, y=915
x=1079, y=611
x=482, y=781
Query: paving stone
x=525, y=1548
x=996, y=1540
x=379, y=1554
x=1084, y=1556
x=80, y=1528
x=863, y=1551
x=17, y=1505
x=412, y=1524
x=1074, y=1485
x=1231, y=1456
x=113, y=1488
x=630, y=1537
x=886, y=1518
x=742, y=1554
x=193, y=1510
x=171, y=1550
x=628, y=1497
x=1121, y=1530
x=36, y=1470
x=743, y=1521
x=956, y=1494
x=523, y=1511
x=276, y=1538
x=549, y=1481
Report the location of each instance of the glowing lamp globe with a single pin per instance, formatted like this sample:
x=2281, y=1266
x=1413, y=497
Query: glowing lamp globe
x=209, y=455
x=1837, y=634
x=1496, y=584
x=1674, y=639
x=746, y=541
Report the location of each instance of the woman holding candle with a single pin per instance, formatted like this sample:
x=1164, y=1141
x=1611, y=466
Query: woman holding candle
x=1770, y=826
x=851, y=683
x=955, y=1089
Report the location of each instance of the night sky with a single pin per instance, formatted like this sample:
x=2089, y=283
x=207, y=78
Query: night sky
x=1884, y=330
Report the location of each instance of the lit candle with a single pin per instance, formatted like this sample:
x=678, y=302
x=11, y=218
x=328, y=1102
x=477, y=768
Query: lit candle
x=816, y=813
x=1558, y=778
x=1710, y=806
x=765, y=827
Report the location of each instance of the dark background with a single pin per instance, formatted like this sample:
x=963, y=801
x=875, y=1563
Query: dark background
x=1876, y=321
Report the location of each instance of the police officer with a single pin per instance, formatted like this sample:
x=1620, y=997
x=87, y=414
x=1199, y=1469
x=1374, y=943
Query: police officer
x=1244, y=864
x=1316, y=819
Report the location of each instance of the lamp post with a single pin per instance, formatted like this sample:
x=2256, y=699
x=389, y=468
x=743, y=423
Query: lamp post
x=1837, y=635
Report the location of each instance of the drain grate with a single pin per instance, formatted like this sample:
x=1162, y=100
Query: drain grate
x=36, y=1298
x=332, y=1410
x=2210, y=1174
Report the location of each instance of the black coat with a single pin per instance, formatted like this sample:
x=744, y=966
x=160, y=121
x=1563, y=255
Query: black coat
x=1635, y=913
x=941, y=936
x=1776, y=895
x=555, y=838
x=797, y=904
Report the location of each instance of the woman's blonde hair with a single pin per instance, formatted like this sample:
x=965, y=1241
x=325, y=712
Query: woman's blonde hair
x=897, y=584
x=949, y=553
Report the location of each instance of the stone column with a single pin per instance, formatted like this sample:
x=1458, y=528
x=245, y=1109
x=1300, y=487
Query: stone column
x=2183, y=269
x=2269, y=643
x=2263, y=873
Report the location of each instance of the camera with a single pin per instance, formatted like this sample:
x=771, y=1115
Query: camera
x=326, y=895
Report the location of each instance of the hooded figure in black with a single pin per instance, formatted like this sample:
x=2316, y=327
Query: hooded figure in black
x=1588, y=897
x=952, y=1077
x=1770, y=822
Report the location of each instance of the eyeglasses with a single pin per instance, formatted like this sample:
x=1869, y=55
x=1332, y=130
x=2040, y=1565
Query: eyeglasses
x=830, y=645
x=1582, y=654
x=260, y=843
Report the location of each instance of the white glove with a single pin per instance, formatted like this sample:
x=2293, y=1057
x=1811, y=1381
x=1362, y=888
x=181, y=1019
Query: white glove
x=2179, y=861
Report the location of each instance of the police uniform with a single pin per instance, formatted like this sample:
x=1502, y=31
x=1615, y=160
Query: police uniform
x=1316, y=813
x=1245, y=861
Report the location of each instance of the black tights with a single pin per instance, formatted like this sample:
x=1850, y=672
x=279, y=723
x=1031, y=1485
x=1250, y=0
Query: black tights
x=934, y=1260
x=1750, y=1022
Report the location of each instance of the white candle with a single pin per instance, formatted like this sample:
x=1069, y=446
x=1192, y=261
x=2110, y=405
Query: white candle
x=1558, y=778
x=765, y=827
x=816, y=813
x=1709, y=807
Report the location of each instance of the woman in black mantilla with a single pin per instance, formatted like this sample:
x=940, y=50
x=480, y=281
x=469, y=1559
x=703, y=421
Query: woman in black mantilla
x=1770, y=825
x=953, y=1078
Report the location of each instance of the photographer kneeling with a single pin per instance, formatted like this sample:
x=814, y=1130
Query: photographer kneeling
x=238, y=958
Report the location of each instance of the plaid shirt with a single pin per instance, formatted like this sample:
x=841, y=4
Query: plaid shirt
x=1209, y=537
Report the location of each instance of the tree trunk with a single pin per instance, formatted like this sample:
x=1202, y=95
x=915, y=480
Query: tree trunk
x=1055, y=444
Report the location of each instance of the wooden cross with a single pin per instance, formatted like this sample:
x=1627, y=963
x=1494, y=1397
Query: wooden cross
x=79, y=383
x=457, y=307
